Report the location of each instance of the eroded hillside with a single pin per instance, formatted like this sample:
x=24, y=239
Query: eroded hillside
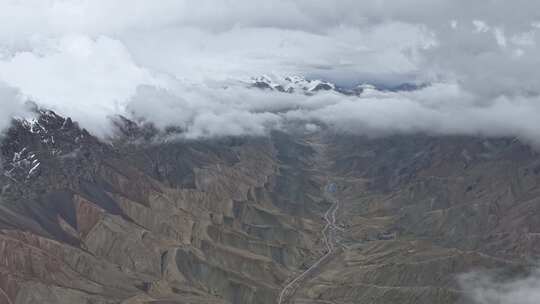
x=146, y=220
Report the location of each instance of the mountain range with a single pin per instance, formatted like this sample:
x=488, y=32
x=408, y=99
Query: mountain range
x=299, y=84
x=138, y=219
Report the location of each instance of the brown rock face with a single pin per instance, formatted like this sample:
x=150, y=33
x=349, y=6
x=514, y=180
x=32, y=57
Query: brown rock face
x=140, y=220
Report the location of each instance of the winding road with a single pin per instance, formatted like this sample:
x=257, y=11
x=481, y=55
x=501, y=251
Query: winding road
x=329, y=240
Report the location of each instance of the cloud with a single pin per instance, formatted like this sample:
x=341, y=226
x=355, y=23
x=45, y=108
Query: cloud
x=441, y=109
x=167, y=62
x=342, y=54
x=484, y=288
x=206, y=112
x=86, y=78
x=13, y=105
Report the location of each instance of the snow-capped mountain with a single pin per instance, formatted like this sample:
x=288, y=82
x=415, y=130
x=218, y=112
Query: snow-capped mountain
x=174, y=221
x=299, y=84
x=291, y=84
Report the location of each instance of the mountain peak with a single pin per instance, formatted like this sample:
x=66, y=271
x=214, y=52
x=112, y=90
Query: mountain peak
x=299, y=84
x=31, y=140
x=291, y=84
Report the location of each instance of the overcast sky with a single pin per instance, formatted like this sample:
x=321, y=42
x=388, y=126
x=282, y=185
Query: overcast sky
x=168, y=62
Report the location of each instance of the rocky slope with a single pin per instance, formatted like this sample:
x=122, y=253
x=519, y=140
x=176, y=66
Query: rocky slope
x=146, y=218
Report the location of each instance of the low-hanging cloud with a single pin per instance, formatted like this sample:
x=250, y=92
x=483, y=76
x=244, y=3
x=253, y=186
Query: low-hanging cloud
x=485, y=288
x=13, y=105
x=182, y=63
x=439, y=109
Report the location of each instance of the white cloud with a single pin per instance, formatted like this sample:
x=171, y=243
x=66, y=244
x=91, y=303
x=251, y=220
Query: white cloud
x=12, y=105
x=480, y=26
x=500, y=37
x=167, y=61
x=483, y=288
x=86, y=78
x=208, y=112
x=441, y=109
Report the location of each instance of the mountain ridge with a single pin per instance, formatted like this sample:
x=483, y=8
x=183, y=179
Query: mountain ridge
x=299, y=84
x=231, y=220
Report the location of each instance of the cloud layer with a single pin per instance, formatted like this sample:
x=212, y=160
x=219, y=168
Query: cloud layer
x=483, y=288
x=180, y=63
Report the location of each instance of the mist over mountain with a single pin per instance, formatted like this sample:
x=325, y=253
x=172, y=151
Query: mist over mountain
x=93, y=60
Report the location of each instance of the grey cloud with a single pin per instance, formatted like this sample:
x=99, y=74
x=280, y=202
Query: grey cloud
x=168, y=61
